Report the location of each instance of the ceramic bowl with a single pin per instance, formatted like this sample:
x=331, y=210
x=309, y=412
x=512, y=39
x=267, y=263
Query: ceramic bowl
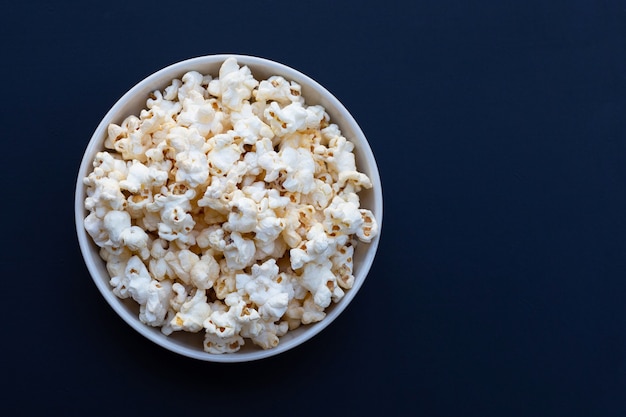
x=189, y=344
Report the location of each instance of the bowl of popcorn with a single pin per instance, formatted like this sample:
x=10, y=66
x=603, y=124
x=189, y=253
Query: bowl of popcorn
x=228, y=208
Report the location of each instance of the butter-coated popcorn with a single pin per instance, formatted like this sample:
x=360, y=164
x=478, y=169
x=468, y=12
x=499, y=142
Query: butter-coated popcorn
x=228, y=206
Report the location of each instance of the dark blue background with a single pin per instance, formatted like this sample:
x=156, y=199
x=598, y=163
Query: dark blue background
x=500, y=284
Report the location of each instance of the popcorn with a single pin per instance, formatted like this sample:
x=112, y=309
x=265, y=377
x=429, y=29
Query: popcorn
x=138, y=280
x=342, y=266
x=269, y=337
x=243, y=215
x=228, y=207
x=343, y=216
x=286, y=119
x=261, y=288
x=115, y=223
x=141, y=177
x=369, y=227
x=278, y=89
x=205, y=116
x=204, y=272
x=239, y=253
x=157, y=265
x=234, y=86
x=216, y=344
x=319, y=280
x=224, y=153
x=312, y=312
x=132, y=139
x=179, y=296
x=193, y=312
x=299, y=168
x=103, y=194
x=95, y=228
x=268, y=227
x=225, y=283
x=249, y=126
x=154, y=311
x=181, y=263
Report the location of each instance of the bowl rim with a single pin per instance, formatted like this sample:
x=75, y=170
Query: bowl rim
x=91, y=260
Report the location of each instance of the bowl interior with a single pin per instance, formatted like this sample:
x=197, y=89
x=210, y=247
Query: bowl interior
x=132, y=102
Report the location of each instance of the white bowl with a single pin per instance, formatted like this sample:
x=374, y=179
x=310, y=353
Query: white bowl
x=132, y=102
